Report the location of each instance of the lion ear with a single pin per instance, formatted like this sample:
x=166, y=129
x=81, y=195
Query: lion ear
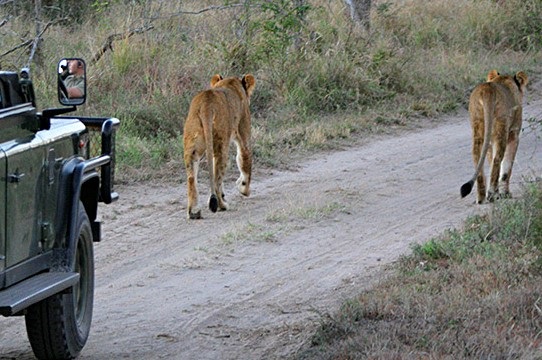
x=492, y=75
x=249, y=82
x=521, y=79
x=216, y=79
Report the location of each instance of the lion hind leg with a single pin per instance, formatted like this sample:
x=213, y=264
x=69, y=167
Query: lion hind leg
x=499, y=147
x=221, y=200
x=193, y=149
x=193, y=212
x=244, y=163
x=480, y=178
x=217, y=200
x=507, y=164
x=481, y=188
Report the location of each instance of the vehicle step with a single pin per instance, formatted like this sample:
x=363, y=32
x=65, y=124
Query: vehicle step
x=32, y=290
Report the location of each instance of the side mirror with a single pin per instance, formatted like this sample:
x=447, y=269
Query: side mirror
x=72, y=81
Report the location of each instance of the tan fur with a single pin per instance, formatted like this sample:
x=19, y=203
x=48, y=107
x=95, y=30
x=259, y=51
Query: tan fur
x=216, y=117
x=495, y=109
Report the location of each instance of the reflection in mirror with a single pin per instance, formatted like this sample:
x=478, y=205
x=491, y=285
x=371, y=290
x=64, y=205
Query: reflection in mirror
x=72, y=84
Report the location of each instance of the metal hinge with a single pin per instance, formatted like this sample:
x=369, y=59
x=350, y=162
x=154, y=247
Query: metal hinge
x=45, y=231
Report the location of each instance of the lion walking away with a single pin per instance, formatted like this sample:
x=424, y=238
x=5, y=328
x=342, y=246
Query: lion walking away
x=217, y=117
x=496, y=112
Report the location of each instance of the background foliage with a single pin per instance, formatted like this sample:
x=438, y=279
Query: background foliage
x=320, y=77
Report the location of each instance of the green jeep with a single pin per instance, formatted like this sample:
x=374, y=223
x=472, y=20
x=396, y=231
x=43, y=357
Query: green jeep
x=54, y=170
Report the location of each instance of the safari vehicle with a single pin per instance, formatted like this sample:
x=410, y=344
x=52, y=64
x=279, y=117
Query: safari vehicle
x=54, y=170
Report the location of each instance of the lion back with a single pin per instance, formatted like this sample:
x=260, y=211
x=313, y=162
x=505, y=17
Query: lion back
x=236, y=94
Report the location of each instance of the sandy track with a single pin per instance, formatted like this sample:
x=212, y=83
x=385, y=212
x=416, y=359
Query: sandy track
x=253, y=282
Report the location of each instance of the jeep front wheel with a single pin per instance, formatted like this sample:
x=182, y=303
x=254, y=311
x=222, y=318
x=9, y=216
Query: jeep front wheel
x=58, y=326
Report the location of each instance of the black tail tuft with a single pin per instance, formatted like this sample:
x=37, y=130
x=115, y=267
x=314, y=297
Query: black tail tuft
x=466, y=188
x=213, y=203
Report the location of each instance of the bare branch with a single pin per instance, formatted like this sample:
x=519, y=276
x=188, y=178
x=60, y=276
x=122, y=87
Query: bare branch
x=26, y=43
x=108, y=45
x=210, y=8
x=37, y=39
x=197, y=12
x=33, y=41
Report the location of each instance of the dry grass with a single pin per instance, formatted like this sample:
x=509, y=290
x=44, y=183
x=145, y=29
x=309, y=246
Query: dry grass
x=470, y=294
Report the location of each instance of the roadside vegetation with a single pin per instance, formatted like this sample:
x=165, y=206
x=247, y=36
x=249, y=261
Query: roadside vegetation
x=323, y=81
x=474, y=293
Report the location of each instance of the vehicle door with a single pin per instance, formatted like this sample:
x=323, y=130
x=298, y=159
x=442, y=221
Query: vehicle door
x=2, y=215
x=3, y=175
x=23, y=162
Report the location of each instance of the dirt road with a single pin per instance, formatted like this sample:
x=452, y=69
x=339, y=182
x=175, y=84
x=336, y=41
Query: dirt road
x=254, y=282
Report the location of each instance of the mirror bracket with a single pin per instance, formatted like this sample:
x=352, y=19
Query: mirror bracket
x=47, y=114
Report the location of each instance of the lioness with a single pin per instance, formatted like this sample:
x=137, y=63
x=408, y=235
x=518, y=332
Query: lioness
x=216, y=117
x=495, y=109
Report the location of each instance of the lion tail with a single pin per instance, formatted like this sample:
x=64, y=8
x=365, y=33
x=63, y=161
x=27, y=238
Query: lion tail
x=207, y=117
x=488, y=107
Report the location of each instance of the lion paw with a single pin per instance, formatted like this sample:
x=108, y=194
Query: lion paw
x=492, y=196
x=242, y=186
x=193, y=215
x=223, y=205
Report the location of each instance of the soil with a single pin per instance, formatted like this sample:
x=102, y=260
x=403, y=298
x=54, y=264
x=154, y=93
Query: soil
x=256, y=281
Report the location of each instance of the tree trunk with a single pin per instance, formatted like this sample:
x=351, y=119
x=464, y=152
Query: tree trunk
x=34, y=51
x=360, y=11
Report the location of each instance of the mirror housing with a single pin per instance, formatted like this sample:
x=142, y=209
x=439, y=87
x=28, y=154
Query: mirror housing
x=72, y=81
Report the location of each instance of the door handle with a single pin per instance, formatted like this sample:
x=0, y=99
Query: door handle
x=15, y=178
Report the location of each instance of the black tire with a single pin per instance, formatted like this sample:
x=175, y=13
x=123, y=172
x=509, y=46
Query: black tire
x=58, y=326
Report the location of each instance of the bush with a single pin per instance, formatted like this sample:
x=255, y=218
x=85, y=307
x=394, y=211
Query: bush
x=419, y=59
